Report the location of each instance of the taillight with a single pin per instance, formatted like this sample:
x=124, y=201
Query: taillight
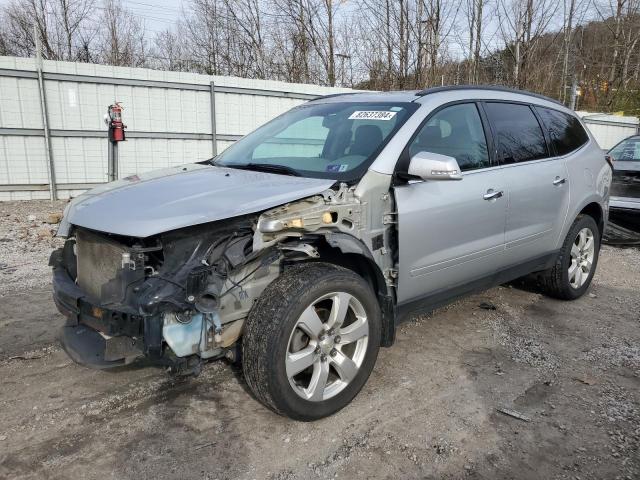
x=609, y=160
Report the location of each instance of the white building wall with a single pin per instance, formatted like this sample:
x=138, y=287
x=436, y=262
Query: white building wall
x=609, y=129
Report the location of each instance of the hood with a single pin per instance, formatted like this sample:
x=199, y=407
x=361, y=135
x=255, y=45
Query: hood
x=163, y=200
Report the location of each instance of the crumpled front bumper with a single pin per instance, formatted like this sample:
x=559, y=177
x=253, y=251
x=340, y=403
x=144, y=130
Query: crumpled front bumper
x=85, y=336
x=89, y=347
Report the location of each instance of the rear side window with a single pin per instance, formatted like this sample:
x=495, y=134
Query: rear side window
x=518, y=135
x=565, y=130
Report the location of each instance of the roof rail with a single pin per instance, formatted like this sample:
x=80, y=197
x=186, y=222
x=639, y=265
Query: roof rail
x=495, y=88
x=322, y=97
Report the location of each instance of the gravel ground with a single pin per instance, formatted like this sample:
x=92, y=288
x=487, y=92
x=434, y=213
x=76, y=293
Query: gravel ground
x=26, y=241
x=431, y=409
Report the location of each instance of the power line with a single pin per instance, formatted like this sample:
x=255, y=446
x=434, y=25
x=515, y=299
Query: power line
x=159, y=7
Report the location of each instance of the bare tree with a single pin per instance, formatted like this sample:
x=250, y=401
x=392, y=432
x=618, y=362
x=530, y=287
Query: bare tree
x=380, y=37
x=291, y=50
x=122, y=36
x=621, y=18
x=315, y=25
x=440, y=20
x=170, y=51
x=522, y=24
x=64, y=27
x=474, y=10
x=70, y=15
x=228, y=37
x=245, y=20
x=379, y=44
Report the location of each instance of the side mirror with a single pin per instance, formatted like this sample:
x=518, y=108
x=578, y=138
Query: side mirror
x=433, y=166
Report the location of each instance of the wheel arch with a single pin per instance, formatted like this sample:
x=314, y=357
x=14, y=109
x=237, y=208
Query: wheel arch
x=595, y=211
x=349, y=252
x=593, y=205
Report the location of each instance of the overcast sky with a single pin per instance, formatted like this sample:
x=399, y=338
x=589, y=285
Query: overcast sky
x=158, y=15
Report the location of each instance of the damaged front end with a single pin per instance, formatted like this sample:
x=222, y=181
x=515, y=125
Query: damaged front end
x=176, y=298
x=182, y=296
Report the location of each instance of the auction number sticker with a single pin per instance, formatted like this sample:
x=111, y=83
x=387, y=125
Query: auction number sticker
x=372, y=115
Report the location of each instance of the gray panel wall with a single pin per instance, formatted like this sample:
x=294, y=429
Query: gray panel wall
x=168, y=118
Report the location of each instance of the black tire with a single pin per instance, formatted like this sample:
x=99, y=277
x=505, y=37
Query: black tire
x=271, y=322
x=555, y=281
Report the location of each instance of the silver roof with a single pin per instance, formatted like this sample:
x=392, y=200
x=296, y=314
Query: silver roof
x=473, y=91
x=366, y=96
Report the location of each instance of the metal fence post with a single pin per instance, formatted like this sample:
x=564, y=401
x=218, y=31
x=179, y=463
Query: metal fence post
x=45, y=118
x=116, y=161
x=112, y=161
x=214, y=138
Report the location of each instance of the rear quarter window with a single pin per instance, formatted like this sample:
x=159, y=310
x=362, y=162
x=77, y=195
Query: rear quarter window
x=565, y=131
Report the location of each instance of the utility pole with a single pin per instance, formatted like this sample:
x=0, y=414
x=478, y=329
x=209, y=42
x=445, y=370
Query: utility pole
x=342, y=57
x=45, y=117
x=574, y=93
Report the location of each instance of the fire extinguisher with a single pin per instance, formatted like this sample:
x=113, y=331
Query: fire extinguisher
x=116, y=127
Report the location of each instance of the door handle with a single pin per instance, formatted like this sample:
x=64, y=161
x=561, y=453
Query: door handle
x=492, y=195
x=559, y=181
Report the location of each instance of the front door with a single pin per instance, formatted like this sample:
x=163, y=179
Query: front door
x=451, y=232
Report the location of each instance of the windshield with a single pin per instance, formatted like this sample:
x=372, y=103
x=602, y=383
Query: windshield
x=331, y=140
x=627, y=151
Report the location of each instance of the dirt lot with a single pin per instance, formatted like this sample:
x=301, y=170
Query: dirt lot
x=429, y=409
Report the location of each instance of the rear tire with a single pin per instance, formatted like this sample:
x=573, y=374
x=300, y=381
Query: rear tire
x=577, y=260
x=311, y=341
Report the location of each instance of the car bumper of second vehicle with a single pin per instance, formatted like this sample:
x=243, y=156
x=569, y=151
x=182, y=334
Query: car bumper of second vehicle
x=625, y=212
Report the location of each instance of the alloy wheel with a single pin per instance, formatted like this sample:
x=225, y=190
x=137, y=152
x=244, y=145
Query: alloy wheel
x=327, y=346
x=582, y=255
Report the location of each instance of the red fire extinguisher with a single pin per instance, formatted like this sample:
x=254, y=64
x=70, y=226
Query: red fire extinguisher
x=116, y=127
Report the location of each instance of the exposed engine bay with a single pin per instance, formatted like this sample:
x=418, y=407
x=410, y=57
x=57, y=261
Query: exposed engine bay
x=182, y=296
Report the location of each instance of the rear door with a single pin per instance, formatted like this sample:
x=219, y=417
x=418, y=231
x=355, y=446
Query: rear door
x=449, y=233
x=536, y=180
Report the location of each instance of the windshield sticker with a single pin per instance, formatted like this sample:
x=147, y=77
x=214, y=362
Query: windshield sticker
x=372, y=115
x=337, y=168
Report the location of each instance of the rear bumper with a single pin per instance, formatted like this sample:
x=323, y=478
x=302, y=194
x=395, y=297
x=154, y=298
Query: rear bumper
x=625, y=203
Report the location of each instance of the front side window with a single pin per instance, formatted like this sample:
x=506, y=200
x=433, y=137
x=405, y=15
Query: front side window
x=565, y=130
x=517, y=132
x=324, y=140
x=455, y=131
x=627, y=150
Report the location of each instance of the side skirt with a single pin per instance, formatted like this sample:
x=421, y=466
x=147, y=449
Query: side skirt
x=443, y=297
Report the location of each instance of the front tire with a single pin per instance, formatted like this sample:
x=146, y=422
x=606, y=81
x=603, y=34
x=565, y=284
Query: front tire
x=575, y=266
x=311, y=341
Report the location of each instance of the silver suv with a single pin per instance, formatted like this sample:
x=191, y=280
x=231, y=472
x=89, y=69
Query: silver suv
x=298, y=250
